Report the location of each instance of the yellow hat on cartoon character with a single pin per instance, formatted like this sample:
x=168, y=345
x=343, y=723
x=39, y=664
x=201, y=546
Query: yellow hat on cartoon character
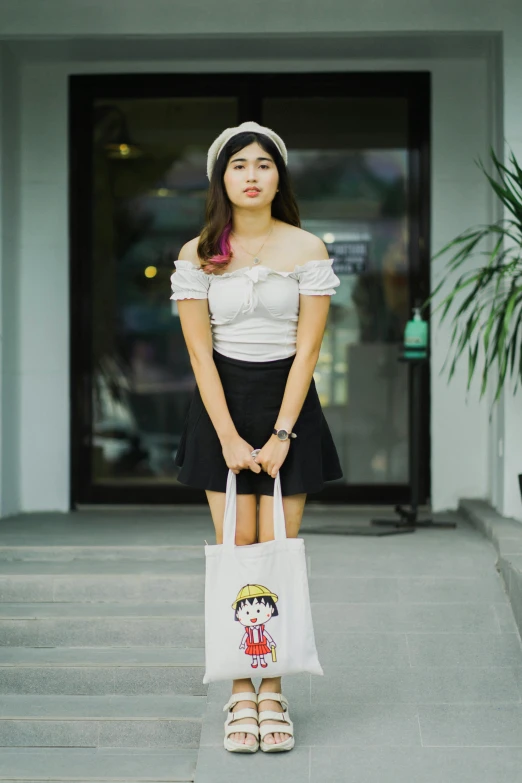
x=253, y=591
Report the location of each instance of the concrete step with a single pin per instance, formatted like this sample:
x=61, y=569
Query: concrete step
x=101, y=662
x=101, y=721
x=84, y=766
x=101, y=656
x=175, y=624
x=506, y=536
x=24, y=610
x=102, y=670
x=110, y=587
x=102, y=566
x=119, y=552
x=106, y=579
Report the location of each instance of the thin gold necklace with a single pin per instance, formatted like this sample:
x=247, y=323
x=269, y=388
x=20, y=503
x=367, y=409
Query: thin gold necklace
x=256, y=255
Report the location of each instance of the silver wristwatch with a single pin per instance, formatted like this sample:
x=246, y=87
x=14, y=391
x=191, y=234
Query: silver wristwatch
x=284, y=434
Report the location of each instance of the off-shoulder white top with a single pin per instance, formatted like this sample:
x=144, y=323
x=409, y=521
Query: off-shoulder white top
x=254, y=309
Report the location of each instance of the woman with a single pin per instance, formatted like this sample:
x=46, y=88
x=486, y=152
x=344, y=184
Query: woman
x=266, y=284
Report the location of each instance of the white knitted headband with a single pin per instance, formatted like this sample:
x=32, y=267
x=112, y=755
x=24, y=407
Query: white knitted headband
x=218, y=144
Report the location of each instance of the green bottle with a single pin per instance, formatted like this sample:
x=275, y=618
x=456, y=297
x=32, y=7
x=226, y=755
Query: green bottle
x=416, y=337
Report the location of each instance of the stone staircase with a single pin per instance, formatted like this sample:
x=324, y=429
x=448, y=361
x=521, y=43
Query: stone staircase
x=101, y=662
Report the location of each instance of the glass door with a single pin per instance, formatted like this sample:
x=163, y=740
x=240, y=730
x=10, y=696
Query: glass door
x=354, y=157
x=349, y=164
x=147, y=203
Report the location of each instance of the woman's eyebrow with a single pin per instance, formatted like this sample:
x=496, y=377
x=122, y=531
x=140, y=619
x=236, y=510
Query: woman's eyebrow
x=234, y=160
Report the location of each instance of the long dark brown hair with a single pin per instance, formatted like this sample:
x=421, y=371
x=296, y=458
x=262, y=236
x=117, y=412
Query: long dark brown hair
x=214, y=243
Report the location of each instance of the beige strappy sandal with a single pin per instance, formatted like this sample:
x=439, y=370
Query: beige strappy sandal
x=272, y=728
x=246, y=728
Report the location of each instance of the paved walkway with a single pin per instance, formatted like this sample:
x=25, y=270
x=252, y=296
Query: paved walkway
x=422, y=658
x=423, y=669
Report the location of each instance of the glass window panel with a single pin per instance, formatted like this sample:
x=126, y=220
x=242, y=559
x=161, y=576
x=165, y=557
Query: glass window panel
x=348, y=159
x=149, y=190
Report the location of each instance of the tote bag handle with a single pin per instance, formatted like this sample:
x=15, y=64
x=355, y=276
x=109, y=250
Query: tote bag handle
x=229, y=521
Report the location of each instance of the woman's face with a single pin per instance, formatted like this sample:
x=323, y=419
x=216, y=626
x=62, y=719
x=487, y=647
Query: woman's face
x=251, y=177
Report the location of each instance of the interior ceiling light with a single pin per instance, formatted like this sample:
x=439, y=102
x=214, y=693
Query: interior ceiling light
x=118, y=144
x=123, y=147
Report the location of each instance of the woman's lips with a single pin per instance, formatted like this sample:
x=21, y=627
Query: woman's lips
x=252, y=193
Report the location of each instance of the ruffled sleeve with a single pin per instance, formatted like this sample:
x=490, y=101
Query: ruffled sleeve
x=189, y=281
x=317, y=278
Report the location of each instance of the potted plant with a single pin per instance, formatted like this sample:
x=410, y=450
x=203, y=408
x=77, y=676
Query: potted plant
x=488, y=298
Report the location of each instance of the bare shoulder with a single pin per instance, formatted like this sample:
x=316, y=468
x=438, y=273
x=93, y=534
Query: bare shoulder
x=189, y=252
x=307, y=246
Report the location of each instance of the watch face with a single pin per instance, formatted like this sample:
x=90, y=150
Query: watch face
x=282, y=434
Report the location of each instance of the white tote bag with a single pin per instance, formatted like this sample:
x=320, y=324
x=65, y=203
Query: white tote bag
x=258, y=620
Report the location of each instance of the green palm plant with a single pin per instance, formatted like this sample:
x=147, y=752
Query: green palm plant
x=488, y=299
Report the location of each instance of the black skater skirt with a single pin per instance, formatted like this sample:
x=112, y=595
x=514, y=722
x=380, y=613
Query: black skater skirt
x=254, y=392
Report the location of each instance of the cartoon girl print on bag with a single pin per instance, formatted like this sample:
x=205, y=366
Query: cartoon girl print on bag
x=254, y=606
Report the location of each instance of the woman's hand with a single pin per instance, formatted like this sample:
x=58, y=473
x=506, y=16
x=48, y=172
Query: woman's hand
x=273, y=454
x=238, y=455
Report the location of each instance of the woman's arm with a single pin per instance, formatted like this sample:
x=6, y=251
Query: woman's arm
x=313, y=315
x=310, y=330
x=195, y=325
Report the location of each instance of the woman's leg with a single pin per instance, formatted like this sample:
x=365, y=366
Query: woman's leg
x=246, y=533
x=293, y=507
x=246, y=510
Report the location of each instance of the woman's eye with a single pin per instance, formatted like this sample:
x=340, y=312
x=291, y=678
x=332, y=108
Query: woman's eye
x=263, y=166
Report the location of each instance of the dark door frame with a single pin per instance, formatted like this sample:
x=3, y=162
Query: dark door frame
x=249, y=89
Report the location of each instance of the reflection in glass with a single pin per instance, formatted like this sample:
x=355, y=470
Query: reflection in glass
x=349, y=164
x=146, y=205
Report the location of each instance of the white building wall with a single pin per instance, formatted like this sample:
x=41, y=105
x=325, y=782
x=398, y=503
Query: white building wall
x=9, y=283
x=509, y=459
x=162, y=18
x=44, y=274
x=459, y=426
x=469, y=457
x=459, y=198
x=496, y=410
